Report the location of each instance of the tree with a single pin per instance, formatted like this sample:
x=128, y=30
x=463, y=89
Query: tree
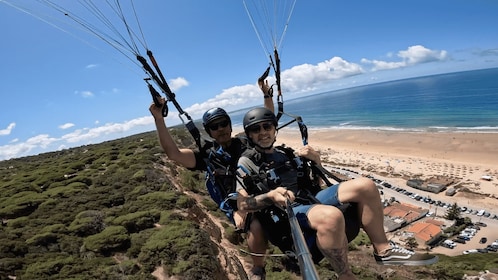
x=453, y=212
x=411, y=242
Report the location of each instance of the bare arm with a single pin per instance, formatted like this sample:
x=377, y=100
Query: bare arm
x=310, y=153
x=184, y=157
x=268, y=97
x=277, y=196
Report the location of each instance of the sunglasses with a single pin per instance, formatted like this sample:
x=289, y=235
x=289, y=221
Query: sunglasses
x=257, y=128
x=217, y=125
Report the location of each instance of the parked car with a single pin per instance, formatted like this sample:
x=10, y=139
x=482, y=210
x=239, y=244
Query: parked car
x=491, y=248
x=458, y=240
x=481, y=224
x=471, y=251
x=449, y=244
x=464, y=237
x=483, y=240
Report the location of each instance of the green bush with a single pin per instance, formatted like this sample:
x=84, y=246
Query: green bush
x=42, y=239
x=47, y=267
x=12, y=248
x=137, y=221
x=21, y=204
x=160, y=200
x=110, y=239
x=66, y=191
x=181, y=247
x=87, y=223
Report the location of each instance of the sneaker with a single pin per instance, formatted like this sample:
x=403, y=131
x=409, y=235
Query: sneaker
x=401, y=256
x=257, y=273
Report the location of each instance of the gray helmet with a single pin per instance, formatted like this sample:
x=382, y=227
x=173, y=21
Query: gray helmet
x=213, y=114
x=258, y=115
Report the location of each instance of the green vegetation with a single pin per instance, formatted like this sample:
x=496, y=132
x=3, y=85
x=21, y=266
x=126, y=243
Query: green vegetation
x=67, y=214
x=110, y=211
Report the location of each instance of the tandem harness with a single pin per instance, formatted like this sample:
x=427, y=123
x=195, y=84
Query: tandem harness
x=221, y=177
x=274, y=219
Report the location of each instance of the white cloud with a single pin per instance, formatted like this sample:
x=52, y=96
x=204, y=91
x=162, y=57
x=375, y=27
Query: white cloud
x=90, y=66
x=42, y=140
x=306, y=77
x=7, y=130
x=413, y=55
x=66, y=125
x=87, y=134
x=420, y=54
x=78, y=137
x=232, y=97
x=25, y=148
x=299, y=79
x=85, y=93
x=177, y=83
x=383, y=65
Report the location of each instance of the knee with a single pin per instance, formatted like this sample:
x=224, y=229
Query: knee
x=330, y=220
x=365, y=186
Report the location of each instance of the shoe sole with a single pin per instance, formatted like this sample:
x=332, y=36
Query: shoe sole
x=411, y=263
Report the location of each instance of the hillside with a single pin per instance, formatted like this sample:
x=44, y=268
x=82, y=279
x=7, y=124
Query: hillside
x=121, y=210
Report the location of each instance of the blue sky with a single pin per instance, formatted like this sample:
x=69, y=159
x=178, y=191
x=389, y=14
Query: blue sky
x=67, y=88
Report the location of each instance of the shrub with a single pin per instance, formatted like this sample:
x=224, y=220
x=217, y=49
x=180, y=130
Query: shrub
x=87, y=223
x=21, y=204
x=42, y=239
x=181, y=247
x=110, y=239
x=137, y=221
x=161, y=200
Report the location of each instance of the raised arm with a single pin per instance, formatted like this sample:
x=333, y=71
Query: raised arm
x=267, y=94
x=184, y=157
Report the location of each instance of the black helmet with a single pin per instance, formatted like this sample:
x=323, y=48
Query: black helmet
x=258, y=115
x=213, y=114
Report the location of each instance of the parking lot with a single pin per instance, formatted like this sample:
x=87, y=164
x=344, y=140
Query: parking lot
x=437, y=204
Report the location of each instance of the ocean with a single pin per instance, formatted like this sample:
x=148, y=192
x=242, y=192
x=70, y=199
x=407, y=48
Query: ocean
x=462, y=101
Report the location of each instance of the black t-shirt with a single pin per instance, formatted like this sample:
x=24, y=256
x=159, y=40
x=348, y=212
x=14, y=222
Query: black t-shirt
x=222, y=162
x=234, y=151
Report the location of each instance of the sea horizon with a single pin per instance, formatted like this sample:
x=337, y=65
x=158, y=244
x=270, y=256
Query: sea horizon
x=451, y=102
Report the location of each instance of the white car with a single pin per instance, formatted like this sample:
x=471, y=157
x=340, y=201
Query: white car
x=471, y=251
x=450, y=243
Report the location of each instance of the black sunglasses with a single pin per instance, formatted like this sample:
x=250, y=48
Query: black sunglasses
x=217, y=125
x=257, y=128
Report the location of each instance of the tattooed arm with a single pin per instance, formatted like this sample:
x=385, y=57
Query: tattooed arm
x=277, y=196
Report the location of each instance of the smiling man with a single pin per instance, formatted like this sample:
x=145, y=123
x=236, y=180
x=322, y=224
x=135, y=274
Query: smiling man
x=269, y=176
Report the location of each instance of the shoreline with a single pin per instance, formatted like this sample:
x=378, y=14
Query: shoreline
x=461, y=159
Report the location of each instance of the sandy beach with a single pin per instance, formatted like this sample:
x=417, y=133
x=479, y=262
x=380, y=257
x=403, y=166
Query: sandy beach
x=462, y=159
x=465, y=157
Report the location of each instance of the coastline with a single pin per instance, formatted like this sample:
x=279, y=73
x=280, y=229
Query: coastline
x=459, y=158
x=463, y=157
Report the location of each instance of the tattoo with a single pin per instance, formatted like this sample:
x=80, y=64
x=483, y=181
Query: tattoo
x=257, y=203
x=338, y=258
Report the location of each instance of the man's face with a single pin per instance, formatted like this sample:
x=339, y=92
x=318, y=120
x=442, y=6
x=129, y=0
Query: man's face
x=221, y=130
x=262, y=134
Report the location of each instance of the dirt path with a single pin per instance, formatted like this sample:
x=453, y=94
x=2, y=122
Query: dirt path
x=229, y=257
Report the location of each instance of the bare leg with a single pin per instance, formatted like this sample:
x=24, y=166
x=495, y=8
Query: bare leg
x=364, y=192
x=329, y=223
x=256, y=242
